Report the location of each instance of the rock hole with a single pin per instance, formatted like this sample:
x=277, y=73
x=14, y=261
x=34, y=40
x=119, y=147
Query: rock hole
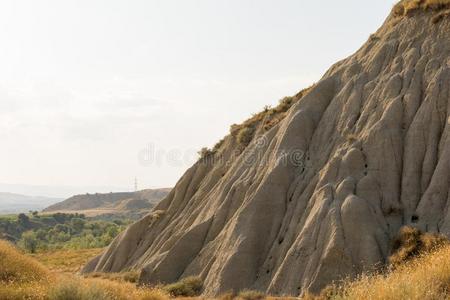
x=415, y=219
x=365, y=166
x=268, y=271
x=280, y=241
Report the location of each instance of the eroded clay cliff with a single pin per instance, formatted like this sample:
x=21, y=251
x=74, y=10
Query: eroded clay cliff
x=320, y=193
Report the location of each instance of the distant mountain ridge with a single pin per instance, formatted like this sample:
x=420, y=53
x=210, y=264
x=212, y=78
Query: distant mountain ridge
x=56, y=191
x=110, y=203
x=17, y=203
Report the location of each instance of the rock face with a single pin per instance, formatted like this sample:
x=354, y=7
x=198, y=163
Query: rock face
x=319, y=195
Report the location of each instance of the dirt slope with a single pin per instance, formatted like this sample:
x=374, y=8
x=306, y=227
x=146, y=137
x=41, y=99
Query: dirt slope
x=320, y=191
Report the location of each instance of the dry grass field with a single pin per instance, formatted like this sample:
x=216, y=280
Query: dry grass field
x=65, y=260
x=52, y=276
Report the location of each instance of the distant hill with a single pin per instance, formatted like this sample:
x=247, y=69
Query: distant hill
x=125, y=203
x=15, y=203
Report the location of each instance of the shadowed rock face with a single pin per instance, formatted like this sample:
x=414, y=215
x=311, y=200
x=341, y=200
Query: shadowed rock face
x=320, y=195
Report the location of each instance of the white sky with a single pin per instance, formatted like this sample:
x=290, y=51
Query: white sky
x=87, y=85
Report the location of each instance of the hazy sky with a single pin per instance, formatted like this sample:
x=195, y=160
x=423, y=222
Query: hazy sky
x=89, y=89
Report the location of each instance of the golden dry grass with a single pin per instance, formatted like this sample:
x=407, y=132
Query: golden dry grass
x=21, y=277
x=101, y=289
x=406, y=7
x=131, y=276
x=16, y=267
x=66, y=260
x=424, y=278
x=411, y=242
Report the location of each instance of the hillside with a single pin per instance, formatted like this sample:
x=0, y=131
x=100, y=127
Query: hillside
x=316, y=189
x=127, y=203
x=11, y=203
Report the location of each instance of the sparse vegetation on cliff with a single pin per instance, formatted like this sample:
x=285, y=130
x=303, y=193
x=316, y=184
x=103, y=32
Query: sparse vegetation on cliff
x=411, y=242
x=406, y=7
x=265, y=120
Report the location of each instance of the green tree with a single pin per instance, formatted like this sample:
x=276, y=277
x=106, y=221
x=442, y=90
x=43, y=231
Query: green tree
x=41, y=234
x=29, y=241
x=23, y=220
x=78, y=224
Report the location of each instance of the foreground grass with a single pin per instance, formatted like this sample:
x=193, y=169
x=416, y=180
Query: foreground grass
x=423, y=278
x=66, y=260
x=426, y=277
x=21, y=277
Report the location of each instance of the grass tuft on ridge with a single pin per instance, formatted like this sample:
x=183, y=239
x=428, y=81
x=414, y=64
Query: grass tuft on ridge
x=405, y=7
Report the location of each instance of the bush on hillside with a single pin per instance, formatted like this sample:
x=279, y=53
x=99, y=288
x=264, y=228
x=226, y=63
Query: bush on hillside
x=411, y=242
x=29, y=241
x=251, y=295
x=205, y=152
x=187, y=287
x=130, y=276
x=66, y=290
x=245, y=136
x=406, y=7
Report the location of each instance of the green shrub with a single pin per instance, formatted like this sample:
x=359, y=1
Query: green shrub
x=29, y=241
x=205, y=152
x=96, y=292
x=251, y=295
x=78, y=290
x=131, y=276
x=66, y=290
x=187, y=287
x=245, y=136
